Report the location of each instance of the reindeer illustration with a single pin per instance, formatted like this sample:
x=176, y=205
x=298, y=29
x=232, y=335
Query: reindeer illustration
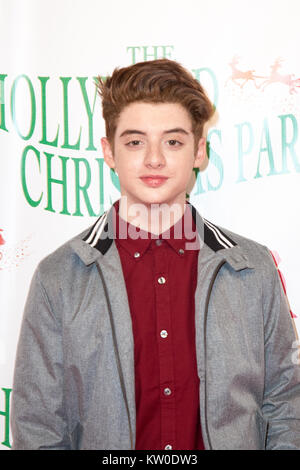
x=241, y=75
x=276, y=77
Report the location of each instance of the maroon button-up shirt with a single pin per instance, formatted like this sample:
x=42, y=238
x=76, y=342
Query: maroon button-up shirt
x=161, y=276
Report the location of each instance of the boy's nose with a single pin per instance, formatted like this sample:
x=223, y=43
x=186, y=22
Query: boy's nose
x=154, y=157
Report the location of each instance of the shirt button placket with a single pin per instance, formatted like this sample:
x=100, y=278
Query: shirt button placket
x=165, y=346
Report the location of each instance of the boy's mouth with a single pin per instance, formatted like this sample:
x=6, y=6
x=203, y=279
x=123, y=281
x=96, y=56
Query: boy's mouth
x=154, y=180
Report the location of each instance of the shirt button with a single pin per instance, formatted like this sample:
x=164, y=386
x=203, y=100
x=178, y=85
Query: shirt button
x=168, y=447
x=158, y=242
x=163, y=333
x=181, y=251
x=137, y=254
x=161, y=280
x=167, y=391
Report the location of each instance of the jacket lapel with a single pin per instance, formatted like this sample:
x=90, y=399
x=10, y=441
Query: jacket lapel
x=111, y=269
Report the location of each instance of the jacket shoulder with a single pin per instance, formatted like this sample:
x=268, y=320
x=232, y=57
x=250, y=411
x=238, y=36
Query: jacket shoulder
x=63, y=259
x=259, y=255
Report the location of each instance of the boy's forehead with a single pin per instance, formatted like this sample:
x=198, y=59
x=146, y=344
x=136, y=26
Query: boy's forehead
x=169, y=115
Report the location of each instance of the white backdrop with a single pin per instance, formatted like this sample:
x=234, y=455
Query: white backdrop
x=52, y=179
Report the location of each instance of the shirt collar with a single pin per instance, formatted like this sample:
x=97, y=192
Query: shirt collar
x=180, y=237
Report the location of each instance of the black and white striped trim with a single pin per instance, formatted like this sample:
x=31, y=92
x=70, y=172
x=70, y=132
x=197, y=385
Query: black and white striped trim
x=94, y=234
x=215, y=238
x=99, y=236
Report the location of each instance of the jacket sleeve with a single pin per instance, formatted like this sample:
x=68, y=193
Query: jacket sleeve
x=37, y=413
x=281, y=406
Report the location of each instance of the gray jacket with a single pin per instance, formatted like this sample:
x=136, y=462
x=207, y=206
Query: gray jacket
x=74, y=374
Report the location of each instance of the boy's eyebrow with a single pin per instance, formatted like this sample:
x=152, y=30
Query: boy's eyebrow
x=169, y=131
x=176, y=129
x=132, y=131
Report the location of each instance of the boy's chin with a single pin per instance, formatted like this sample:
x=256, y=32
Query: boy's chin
x=157, y=200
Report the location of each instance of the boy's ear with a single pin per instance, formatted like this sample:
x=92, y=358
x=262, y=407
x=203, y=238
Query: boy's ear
x=200, y=153
x=107, y=152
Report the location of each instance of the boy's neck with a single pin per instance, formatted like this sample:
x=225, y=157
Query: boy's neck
x=154, y=218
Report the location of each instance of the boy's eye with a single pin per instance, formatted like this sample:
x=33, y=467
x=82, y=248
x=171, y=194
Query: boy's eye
x=174, y=142
x=133, y=143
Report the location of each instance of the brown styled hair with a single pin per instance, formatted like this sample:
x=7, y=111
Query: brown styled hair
x=155, y=81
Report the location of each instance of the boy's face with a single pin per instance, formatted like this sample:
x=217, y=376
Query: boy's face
x=154, y=153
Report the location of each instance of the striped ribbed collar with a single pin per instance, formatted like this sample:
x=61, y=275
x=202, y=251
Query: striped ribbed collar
x=101, y=234
x=97, y=240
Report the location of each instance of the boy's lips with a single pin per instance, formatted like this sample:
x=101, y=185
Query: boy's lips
x=154, y=180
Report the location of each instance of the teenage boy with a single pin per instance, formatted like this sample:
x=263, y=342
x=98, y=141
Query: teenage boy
x=155, y=329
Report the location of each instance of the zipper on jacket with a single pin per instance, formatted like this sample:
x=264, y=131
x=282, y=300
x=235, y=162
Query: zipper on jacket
x=204, y=336
x=116, y=350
